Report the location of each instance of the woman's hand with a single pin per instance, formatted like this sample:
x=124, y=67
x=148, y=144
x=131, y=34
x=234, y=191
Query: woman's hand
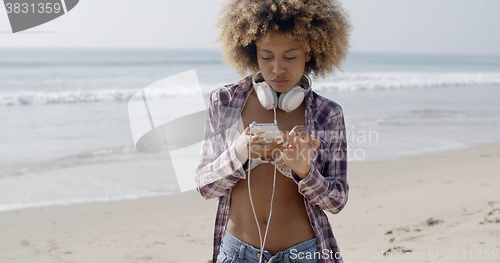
x=267, y=151
x=300, y=150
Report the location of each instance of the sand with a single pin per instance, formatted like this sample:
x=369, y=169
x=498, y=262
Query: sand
x=432, y=208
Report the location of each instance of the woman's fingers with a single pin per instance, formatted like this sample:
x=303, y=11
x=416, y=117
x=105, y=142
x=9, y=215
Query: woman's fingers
x=298, y=142
x=287, y=137
x=256, y=138
x=299, y=134
x=297, y=130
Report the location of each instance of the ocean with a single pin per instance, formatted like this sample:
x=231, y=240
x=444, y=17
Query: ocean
x=66, y=137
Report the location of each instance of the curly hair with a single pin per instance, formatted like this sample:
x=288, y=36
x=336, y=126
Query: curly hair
x=322, y=27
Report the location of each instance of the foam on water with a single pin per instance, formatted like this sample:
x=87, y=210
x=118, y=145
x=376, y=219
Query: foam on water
x=107, y=95
x=405, y=80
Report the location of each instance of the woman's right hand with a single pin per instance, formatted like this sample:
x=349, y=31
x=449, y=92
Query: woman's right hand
x=267, y=151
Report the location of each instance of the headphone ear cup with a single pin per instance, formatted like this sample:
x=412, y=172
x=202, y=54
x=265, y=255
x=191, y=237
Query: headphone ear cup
x=292, y=99
x=267, y=96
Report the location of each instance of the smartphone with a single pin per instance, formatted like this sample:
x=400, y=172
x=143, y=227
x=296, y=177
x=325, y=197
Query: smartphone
x=270, y=129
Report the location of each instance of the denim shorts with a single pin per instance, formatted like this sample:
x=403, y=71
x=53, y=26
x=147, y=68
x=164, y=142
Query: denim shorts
x=235, y=250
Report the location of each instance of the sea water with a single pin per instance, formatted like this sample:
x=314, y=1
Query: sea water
x=66, y=138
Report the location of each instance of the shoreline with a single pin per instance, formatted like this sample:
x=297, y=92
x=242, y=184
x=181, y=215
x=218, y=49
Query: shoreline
x=419, y=204
x=110, y=169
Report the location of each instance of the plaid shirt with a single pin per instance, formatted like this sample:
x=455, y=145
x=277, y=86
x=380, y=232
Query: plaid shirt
x=324, y=188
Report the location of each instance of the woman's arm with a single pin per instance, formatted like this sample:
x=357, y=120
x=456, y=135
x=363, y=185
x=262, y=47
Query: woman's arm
x=326, y=185
x=219, y=168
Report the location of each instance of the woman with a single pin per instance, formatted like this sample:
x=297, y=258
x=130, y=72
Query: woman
x=280, y=42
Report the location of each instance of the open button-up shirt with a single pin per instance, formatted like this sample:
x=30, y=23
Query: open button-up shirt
x=324, y=188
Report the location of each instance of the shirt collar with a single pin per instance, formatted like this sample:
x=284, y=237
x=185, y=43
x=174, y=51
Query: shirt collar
x=245, y=85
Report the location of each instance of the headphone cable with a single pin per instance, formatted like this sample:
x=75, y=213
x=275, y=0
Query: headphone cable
x=262, y=242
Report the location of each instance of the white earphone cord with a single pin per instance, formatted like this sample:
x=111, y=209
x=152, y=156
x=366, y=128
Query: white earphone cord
x=262, y=242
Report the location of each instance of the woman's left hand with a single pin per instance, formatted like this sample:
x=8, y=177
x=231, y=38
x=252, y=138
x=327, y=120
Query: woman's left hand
x=300, y=150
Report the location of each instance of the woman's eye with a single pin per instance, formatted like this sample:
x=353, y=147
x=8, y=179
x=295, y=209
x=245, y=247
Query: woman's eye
x=266, y=58
x=290, y=57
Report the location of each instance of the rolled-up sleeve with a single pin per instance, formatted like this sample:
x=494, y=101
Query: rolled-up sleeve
x=326, y=183
x=219, y=169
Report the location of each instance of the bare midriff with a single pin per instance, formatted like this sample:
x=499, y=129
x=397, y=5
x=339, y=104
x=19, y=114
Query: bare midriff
x=289, y=224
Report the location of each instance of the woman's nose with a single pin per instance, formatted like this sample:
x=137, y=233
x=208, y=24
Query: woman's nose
x=278, y=67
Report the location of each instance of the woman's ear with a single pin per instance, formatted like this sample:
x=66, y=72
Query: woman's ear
x=308, y=56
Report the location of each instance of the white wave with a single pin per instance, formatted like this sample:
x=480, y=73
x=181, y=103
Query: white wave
x=364, y=123
x=405, y=80
x=38, y=98
x=106, y=152
x=62, y=97
x=340, y=83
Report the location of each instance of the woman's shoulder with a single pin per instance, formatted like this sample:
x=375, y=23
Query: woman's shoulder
x=325, y=107
x=223, y=95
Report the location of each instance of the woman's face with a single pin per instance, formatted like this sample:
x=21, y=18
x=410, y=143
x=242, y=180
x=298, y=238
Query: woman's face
x=281, y=61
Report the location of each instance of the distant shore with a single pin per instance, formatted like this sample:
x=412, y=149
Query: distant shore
x=425, y=206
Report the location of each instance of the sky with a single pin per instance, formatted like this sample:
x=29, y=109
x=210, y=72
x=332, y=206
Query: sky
x=403, y=26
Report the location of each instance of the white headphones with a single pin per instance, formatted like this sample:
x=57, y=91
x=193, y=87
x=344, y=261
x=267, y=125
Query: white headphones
x=287, y=101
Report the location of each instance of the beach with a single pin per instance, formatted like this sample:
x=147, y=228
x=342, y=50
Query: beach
x=104, y=114
x=440, y=207
x=422, y=133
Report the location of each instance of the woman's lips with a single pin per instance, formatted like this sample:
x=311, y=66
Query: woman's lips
x=279, y=82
